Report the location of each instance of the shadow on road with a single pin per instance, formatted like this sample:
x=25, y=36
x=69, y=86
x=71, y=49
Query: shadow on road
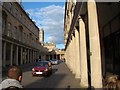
x=54, y=81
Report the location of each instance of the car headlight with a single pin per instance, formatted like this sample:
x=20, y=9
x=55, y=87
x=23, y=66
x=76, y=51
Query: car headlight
x=33, y=69
x=46, y=69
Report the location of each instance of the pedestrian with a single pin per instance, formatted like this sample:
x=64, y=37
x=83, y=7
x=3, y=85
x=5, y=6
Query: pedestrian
x=14, y=78
x=112, y=83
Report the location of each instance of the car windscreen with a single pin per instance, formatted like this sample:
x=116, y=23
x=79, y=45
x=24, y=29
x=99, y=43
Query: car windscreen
x=41, y=64
x=53, y=60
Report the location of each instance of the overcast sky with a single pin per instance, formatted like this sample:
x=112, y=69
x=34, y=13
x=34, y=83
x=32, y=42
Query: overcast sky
x=50, y=17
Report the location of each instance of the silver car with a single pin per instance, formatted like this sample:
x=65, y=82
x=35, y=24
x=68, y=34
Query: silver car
x=54, y=61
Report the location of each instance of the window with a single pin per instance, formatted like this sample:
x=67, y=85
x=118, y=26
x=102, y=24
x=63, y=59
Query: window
x=24, y=35
x=14, y=32
x=21, y=15
x=4, y=19
x=20, y=33
x=10, y=6
x=24, y=19
x=9, y=29
x=16, y=12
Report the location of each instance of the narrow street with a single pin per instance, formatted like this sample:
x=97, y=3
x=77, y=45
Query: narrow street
x=61, y=78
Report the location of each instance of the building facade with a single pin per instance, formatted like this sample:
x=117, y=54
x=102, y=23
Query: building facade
x=41, y=36
x=51, y=52
x=20, y=36
x=93, y=30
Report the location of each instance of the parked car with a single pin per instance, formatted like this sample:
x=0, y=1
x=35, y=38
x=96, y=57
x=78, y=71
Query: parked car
x=42, y=68
x=54, y=61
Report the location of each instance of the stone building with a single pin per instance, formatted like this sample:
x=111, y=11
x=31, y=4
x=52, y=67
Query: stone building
x=92, y=40
x=51, y=52
x=20, y=36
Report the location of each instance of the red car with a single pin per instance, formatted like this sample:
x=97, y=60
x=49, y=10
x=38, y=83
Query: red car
x=42, y=68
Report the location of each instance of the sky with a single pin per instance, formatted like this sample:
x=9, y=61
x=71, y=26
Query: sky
x=50, y=17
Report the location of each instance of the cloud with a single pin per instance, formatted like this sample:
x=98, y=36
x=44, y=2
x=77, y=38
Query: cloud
x=51, y=19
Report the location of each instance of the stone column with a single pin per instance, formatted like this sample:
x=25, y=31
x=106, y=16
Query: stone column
x=77, y=45
x=4, y=54
x=95, y=53
x=33, y=55
x=36, y=54
x=74, y=55
x=30, y=56
x=67, y=56
x=25, y=56
x=16, y=55
x=11, y=54
x=60, y=56
x=21, y=53
x=83, y=53
x=28, y=61
x=70, y=56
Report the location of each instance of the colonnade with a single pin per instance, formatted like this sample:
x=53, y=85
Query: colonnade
x=17, y=54
x=52, y=56
x=76, y=53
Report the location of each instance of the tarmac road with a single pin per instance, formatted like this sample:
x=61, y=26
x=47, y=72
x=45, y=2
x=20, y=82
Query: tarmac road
x=61, y=77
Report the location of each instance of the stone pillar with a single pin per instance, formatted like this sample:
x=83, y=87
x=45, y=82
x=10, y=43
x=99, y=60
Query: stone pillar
x=4, y=54
x=77, y=45
x=25, y=56
x=11, y=54
x=67, y=56
x=21, y=53
x=16, y=55
x=70, y=56
x=28, y=59
x=60, y=56
x=36, y=54
x=95, y=53
x=83, y=53
x=30, y=56
x=74, y=55
x=33, y=55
